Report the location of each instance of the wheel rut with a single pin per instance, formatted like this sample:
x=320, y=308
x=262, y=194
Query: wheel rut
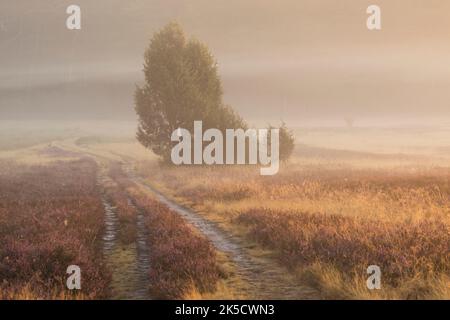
x=260, y=281
x=129, y=263
x=255, y=279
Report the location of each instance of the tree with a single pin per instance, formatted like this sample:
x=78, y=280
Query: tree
x=181, y=85
x=286, y=142
x=349, y=121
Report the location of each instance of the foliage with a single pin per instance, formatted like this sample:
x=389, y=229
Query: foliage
x=181, y=85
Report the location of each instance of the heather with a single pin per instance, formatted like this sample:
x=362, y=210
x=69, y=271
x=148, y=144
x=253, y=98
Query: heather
x=50, y=217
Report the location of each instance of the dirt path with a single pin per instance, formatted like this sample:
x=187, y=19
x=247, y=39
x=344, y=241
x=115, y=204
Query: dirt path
x=262, y=280
x=129, y=263
x=255, y=279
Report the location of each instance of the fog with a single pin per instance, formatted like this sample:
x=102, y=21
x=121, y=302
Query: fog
x=304, y=62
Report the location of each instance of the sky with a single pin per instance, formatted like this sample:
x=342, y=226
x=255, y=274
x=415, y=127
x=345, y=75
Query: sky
x=303, y=62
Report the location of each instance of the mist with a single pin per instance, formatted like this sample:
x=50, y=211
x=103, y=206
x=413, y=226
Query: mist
x=302, y=62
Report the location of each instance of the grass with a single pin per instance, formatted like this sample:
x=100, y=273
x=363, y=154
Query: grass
x=50, y=217
x=324, y=216
x=184, y=264
x=403, y=251
x=329, y=223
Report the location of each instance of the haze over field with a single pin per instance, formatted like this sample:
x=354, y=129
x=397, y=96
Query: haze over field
x=94, y=182
x=306, y=62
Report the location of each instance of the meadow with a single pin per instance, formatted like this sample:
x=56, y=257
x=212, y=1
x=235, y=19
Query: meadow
x=183, y=263
x=320, y=222
x=51, y=217
x=328, y=219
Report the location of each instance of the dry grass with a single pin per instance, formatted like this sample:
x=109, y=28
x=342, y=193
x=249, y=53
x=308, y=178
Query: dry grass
x=328, y=223
x=404, y=251
x=184, y=264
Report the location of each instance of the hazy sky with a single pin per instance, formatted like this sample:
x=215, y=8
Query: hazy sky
x=295, y=60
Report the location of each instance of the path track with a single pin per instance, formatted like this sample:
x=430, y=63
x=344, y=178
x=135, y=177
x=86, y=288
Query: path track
x=262, y=281
x=129, y=263
x=256, y=278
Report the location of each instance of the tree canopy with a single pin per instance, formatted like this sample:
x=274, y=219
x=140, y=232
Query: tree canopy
x=182, y=85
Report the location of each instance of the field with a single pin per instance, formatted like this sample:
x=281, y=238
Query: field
x=141, y=230
x=50, y=218
x=55, y=214
x=330, y=214
x=328, y=226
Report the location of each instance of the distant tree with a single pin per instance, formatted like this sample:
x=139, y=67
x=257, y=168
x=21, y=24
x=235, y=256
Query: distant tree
x=349, y=121
x=287, y=142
